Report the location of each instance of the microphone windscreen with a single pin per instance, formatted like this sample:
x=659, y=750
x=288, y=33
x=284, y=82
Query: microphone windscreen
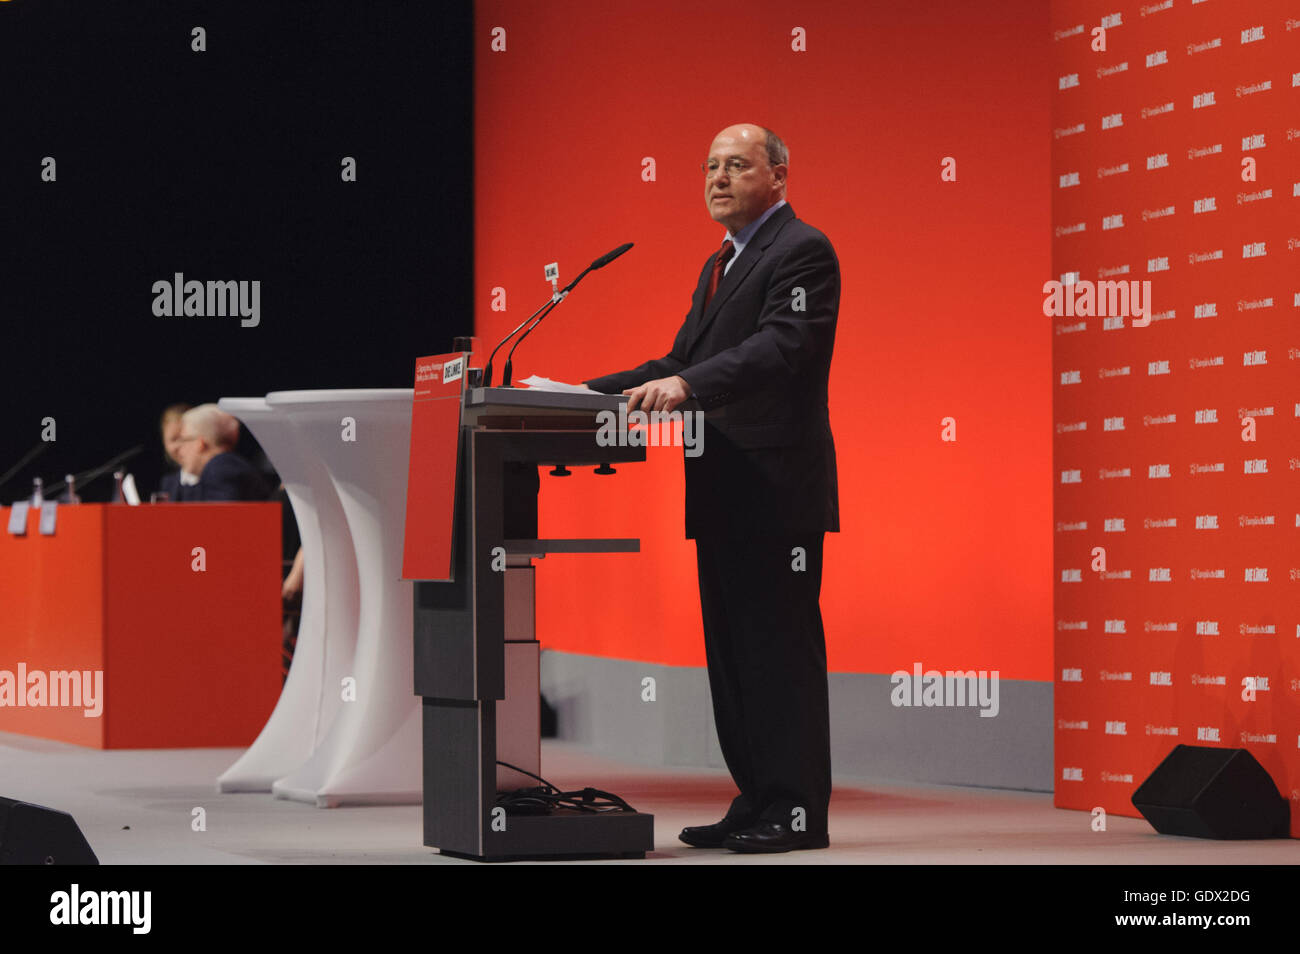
x=610, y=256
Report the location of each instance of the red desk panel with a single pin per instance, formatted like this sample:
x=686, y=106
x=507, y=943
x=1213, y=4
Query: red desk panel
x=189, y=655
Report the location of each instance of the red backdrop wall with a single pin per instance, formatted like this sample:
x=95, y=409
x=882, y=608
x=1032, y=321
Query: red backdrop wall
x=1176, y=444
x=945, y=546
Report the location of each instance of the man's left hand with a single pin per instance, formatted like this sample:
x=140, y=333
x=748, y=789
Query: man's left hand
x=661, y=394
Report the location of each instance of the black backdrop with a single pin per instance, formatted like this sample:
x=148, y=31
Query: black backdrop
x=223, y=165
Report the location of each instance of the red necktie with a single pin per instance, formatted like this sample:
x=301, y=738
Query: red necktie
x=724, y=256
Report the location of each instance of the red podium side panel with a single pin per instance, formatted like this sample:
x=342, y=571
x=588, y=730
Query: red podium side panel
x=188, y=656
x=52, y=618
x=431, y=480
x=194, y=654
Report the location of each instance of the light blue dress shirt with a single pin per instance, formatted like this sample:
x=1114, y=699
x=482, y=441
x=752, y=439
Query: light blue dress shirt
x=747, y=233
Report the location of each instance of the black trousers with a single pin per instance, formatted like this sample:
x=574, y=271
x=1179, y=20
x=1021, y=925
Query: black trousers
x=766, y=653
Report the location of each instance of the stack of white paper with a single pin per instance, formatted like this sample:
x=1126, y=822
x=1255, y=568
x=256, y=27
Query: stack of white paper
x=546, y=384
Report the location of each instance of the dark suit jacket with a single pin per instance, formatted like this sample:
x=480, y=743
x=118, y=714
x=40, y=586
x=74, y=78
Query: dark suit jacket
x=758, y=361
x=225, y=477
x=171, y=485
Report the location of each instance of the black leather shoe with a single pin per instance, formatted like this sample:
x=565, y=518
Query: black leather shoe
x=712, y=836
x=770, y=836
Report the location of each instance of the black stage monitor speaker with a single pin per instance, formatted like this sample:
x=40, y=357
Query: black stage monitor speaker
x=35, y=835
x=1210, y=792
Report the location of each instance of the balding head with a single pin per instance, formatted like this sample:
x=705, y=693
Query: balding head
x=206, y=431
x=773, y=146
x=746, y=174
x=217, y=428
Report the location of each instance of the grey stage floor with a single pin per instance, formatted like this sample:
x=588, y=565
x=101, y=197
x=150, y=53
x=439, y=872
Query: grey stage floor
x=136, y=807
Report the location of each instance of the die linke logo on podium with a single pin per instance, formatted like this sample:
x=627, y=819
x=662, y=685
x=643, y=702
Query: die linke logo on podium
x=433, y=464
x=431, y=372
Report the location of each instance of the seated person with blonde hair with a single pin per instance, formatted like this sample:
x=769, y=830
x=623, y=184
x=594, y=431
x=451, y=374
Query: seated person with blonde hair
x=207, y=448
x=169, y=428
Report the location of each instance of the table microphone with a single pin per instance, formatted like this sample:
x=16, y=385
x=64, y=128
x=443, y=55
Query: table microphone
x=40, y=448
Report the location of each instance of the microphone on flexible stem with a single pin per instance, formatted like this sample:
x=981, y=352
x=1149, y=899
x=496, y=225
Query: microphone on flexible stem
x=546, y=309
x=86, y=476
x=487, y=372
x=27, y=458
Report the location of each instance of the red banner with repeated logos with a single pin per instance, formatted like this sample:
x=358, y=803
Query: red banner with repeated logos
x=1176, y=172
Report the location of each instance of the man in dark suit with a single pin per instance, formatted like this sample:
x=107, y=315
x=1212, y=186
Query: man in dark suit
x=755, y=353
x=207, y=448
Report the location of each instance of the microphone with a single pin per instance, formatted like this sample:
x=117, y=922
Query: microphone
x=608, y=257
x=546, y=309
x=40, y=448
x=86, y=476
x=487, y=372
x=598, y=263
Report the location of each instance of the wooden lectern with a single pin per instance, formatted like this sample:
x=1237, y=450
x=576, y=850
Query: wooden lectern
x=471, y=536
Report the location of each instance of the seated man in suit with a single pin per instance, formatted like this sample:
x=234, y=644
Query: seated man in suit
x=207, y=448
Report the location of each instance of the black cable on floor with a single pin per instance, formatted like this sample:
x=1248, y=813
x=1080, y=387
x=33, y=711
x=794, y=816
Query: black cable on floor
x=546, y=798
